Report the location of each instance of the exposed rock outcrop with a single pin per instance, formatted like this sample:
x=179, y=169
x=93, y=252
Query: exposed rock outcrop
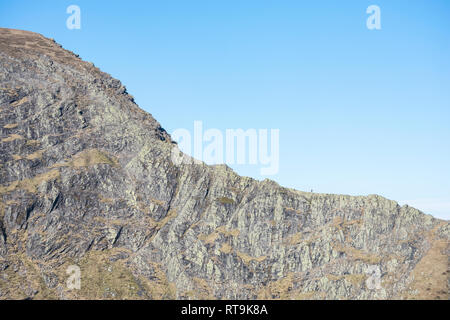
x=86, y=179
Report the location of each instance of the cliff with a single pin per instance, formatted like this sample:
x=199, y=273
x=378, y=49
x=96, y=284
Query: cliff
x=87, y=179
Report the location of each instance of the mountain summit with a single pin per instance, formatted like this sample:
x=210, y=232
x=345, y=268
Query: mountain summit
x=87, y=183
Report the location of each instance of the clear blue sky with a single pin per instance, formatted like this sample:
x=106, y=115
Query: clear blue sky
x=359, y=111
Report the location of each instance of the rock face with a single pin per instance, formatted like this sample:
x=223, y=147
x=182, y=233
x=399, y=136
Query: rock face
x=87, y=180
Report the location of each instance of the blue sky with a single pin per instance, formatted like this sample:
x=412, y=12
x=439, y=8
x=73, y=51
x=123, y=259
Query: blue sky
x=359, y=111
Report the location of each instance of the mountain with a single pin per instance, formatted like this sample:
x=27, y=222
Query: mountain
x=87, y=181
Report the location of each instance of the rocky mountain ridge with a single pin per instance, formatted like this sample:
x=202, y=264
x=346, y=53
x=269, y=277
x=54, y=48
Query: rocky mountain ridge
x=86, y=179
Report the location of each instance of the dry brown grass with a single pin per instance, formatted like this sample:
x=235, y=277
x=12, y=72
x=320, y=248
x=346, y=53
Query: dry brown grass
x=356, y=254
x=305, y=295
x=294, y=239
x=32, y=142
x=279, y=289
x=158, y=202
x=92, y=157
x=202, y=290
x=36, y=155
x=226, y=248
x=12, y=137
x=225, y=200
x=170, y=215
x=248, y=259
x=213, y=236
x=89, y=157
x=17, y=285
x=223, y=230
x=101, y=278
x=10, y=126
x=208, y=238
x=355, y=279
x=19, y=102
x=430, y=275
x=31, y=184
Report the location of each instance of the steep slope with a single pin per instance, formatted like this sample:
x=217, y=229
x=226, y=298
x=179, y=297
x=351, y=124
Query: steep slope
x=86, y=179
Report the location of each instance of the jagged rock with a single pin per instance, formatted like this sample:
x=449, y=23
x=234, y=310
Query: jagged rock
x=86, y=180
